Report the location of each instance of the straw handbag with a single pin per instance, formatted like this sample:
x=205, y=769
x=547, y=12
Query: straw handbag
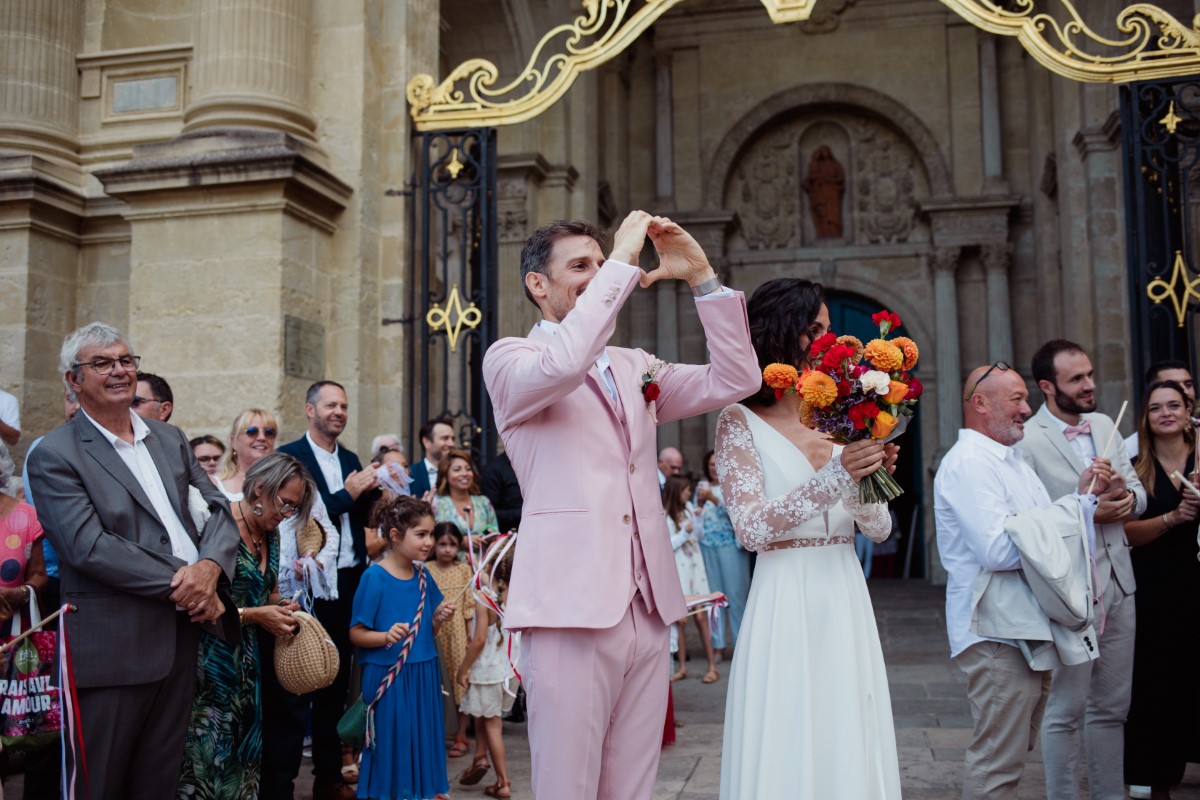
x=308, y=660
x=310, y=538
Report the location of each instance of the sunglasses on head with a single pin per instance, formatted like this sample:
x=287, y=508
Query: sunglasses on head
x=1000, y=365
x=252, y=432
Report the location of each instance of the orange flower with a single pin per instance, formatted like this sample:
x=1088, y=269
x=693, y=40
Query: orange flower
x=807, y=416
x=818, y=389
x=882, y=425
x=780, y=376
x=884, y=355
x=855, y=342
x=897, y=391
x=909, y=348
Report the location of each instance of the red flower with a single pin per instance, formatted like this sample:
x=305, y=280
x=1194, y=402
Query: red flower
x=836, y=355
x=843, y=388
x=862, y=413
x=650, y=391
x=915, y=388
x=822, y=343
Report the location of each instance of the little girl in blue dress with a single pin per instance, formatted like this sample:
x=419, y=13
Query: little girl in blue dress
x=407, y=759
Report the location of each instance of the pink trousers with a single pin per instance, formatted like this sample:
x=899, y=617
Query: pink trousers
x=596, y=702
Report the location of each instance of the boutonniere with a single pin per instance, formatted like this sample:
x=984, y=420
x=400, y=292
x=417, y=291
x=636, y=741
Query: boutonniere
x=650, y=388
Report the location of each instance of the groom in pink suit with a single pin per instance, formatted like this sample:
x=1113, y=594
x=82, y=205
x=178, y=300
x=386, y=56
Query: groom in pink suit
x=594, y=585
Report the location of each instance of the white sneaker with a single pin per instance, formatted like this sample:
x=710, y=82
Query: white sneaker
x=1140, y=792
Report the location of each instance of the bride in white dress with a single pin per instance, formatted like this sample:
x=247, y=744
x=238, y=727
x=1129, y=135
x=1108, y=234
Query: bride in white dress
x=808, y=713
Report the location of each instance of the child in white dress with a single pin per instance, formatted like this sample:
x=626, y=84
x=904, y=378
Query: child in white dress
x=681, y=524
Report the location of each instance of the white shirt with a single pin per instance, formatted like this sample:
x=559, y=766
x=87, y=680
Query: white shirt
x=603, y=363
x=979, y=484
x=137, y=457
x=10, y=410
x=331, y=470
x=432, y=469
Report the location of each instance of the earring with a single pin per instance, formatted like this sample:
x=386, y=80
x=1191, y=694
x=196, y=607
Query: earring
x=257, y=508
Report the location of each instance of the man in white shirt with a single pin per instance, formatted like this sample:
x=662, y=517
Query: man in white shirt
x=112, y=493
x=670, y=462
x=437, y=437
x=981, y=481
x=1061, y=440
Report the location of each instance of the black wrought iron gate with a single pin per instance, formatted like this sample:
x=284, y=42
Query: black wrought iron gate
x=1160, y=128
x=452, y=287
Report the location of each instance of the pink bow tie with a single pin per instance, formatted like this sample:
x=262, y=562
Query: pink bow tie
x=1071, y=431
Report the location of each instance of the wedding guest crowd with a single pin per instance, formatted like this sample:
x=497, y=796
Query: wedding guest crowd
x=1116, y=693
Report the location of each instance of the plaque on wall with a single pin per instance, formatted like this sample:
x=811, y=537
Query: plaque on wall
x=303, y=348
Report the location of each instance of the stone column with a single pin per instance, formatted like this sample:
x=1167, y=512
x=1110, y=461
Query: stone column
x=996, y=261
x=989, y=112
x=944, y=261
x=251, y=67
x=39, y=84
x=519, y=176
x=664, y=137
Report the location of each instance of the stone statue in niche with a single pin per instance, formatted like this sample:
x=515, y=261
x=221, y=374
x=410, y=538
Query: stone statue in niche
x=825, y=184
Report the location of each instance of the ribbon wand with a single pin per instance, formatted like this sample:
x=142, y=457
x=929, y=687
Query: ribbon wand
x=1108, y=444
x=34, y=628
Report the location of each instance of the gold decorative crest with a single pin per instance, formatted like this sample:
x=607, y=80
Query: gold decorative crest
x=1181, y=290
x=451, y=319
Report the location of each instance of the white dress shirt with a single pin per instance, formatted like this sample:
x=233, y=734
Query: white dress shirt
x=137, y=457
x=432, y=470
x=979, y=484
x=331, y=470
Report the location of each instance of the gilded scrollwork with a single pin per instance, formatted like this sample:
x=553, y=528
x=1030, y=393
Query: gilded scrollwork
x=1150, y=43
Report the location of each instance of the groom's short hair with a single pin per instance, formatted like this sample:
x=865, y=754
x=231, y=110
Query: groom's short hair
x=535, y=255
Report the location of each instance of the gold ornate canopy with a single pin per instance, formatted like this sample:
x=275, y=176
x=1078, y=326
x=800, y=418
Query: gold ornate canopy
x=1150, y=43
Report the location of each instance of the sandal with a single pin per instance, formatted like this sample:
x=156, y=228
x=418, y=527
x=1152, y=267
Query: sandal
x=459, y=749
x=474, y=773
x=350, y=774
x=679, y=675
x=712, y=676
x=498, y=789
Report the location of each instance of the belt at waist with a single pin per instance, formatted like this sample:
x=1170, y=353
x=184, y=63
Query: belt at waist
x=789, y=544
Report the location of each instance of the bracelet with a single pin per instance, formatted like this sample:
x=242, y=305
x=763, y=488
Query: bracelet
x=28, y=593
x=241, y=611
x=707, y=287
x=1166, y=523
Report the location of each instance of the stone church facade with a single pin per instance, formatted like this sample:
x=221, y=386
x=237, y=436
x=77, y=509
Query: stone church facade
x=225, y=180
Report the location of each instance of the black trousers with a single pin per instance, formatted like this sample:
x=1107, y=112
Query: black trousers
x=285, y=714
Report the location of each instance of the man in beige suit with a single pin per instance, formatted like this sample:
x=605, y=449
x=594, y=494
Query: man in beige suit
x=1061, y=440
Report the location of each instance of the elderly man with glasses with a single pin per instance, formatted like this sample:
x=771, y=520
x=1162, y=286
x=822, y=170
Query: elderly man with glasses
x=982, y=484
x=112, y=492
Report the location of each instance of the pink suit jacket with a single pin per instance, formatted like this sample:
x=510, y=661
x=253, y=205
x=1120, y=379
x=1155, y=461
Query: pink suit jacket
x=589, y=482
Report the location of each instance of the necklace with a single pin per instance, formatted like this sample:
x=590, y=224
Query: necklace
x=255, y=543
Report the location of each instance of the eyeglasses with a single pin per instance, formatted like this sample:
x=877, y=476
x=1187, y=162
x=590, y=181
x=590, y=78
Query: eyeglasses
x=140, y=401
x=208, y=459
x=252, y=432
x=105, y=366
x=287, y=510
x=1000, y=365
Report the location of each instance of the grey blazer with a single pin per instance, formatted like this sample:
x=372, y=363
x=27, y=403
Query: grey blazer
x=1055, y=461
x=115, y=558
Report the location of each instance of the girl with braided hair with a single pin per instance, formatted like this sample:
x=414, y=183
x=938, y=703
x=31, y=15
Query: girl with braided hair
x=397, y=610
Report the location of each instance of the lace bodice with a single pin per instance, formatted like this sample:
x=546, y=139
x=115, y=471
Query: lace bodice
x=759, y=519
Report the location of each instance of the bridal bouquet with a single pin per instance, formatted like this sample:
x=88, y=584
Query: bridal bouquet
x=854, y=391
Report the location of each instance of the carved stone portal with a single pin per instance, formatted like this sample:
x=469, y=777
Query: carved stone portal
x=828, y=175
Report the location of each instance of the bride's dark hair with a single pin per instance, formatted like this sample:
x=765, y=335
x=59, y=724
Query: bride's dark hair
x=781, y=312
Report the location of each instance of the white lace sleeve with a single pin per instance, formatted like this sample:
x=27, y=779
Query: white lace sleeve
x=757, y=519
x=873, y=518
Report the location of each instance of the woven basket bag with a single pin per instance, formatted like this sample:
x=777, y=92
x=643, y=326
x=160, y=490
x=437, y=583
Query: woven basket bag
x=308, y=660
x=310, y=539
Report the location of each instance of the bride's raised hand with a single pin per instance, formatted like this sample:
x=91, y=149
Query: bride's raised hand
x=863, y=457
x=680, y=257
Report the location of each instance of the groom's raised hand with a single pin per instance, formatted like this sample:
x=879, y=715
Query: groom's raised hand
x=630, y=238
x=680, y=257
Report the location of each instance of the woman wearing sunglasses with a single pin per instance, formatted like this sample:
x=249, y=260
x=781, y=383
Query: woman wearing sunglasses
x=253, y=436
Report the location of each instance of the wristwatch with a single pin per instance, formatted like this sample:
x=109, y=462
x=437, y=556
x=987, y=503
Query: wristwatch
x=707, y=287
